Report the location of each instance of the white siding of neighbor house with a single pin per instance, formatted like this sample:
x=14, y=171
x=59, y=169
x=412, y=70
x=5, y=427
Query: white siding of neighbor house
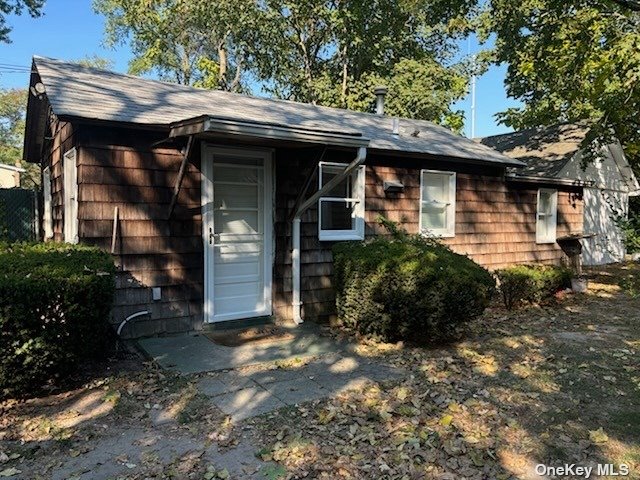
x=603, y=202
x=9, y=178
x=600, y=208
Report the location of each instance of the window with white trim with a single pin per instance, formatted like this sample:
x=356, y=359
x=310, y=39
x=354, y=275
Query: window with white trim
x=47, y=217
x=70, y=181
x=438, y=203
x=341, y=210
x=546, y=215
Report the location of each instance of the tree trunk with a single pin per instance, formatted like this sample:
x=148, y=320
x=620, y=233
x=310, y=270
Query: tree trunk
x=235, y=85
x=222, y=60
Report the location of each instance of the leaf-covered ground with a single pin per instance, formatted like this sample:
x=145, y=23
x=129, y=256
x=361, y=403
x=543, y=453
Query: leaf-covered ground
x=553, y=384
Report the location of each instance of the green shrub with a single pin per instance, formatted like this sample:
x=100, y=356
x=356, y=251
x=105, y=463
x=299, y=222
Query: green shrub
x=531, y=283
x=55, y=301
x=407, y=288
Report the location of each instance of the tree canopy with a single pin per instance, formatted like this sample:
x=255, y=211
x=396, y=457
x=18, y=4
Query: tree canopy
x=329, y=52
x=13, y=106
x=571, y=60
x=33, y=8
x=568, y=60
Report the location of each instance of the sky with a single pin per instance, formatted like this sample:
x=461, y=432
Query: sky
x=70, y=30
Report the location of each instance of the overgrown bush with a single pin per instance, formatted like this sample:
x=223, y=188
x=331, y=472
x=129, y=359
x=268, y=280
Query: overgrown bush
x=407, y=288
x=630, y=228
x=55, y=301
x=531, y=283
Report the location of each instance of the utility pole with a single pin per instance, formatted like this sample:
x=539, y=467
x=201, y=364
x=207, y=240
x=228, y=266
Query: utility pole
x=473, y=100
x=472, y=133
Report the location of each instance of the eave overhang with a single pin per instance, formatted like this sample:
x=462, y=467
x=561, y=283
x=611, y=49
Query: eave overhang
x=216, y=125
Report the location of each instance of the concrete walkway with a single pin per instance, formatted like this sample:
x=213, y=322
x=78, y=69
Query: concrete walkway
x=246, y=395
x=194, y=353
x=243, y=393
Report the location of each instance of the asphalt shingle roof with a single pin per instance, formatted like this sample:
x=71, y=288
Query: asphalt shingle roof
x=544, y=150
x=85, y=92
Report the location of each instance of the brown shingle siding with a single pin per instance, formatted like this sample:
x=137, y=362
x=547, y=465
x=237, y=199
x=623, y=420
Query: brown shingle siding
x=121, y=168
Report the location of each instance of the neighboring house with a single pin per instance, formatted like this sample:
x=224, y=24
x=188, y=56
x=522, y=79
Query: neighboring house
x=230, y=204
x=555, y=152
x=10, y=176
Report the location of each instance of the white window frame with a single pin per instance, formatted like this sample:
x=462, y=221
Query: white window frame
x=551, y=233
x=450, y=230
x=357, y=188
x=47, y=215
x=70, y=181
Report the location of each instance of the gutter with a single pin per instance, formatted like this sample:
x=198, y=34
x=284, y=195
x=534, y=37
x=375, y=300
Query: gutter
x=295, y=234
x=512, y=177
x=12, y=168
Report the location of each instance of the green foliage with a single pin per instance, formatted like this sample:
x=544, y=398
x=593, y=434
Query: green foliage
x=334, y=54
x=574, y=60
x=186, y=41
x=630, y=227
x=96, y=62
x=55, y=301
x=407, y=288
x=327, y=53
x=630, y=284
x=16, y=7
x=416, y=89
x=13, y=105
x=13, y=109
x=531, y=283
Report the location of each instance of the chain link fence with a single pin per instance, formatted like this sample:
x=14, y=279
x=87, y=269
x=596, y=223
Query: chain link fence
x=18, y=215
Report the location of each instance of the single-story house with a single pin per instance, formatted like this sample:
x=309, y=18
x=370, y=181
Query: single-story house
x=10, y=175
x=608, y=181
x=219, y=207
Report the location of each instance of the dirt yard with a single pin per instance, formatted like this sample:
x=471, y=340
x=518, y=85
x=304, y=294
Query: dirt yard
x=555, y=384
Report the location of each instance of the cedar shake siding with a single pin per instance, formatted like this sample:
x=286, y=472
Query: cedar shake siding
x=495, y=222
x=128, y=168
x=121, y=168
x=495, y=219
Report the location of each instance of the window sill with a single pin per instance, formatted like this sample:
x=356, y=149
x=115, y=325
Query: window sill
x=438, y=234
x=545, y=242
x=339, y=237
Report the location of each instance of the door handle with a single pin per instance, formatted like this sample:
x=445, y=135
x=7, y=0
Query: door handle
x=211, y=236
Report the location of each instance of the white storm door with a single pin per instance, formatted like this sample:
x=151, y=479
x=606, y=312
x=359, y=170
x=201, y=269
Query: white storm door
x=237, y=231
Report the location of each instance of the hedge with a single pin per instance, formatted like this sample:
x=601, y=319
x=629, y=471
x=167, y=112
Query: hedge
x=407, y=288
x=55, y=301
x=531, y=283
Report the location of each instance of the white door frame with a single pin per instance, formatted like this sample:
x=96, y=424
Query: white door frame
x=206, y=175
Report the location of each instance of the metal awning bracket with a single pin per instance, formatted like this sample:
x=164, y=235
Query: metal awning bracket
x=179, y=178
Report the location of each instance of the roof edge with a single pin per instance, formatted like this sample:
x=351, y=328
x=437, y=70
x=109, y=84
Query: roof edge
x=514, y=177
x=212, y=124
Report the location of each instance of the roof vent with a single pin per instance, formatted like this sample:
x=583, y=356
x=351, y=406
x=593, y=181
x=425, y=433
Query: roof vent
x=381, y=92
x=396, y=126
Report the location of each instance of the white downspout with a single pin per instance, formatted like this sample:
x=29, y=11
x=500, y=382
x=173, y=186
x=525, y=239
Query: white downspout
x=295, y=231
x=295, y=270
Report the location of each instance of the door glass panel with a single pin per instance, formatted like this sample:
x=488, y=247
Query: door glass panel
x=235, y=196
x=235, y=175
x=238, y=222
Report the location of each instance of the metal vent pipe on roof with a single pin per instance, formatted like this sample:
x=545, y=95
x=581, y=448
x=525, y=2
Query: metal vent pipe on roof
x=380, y=93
